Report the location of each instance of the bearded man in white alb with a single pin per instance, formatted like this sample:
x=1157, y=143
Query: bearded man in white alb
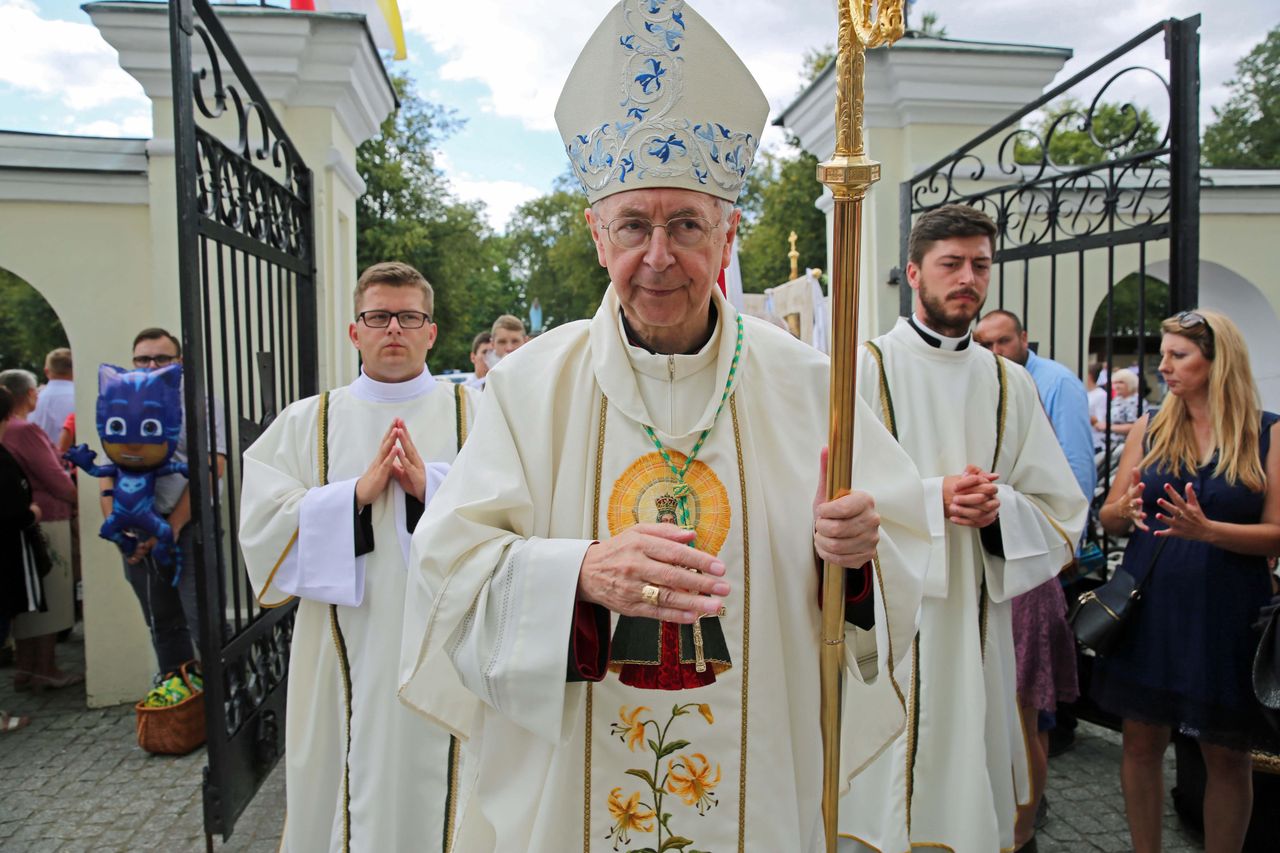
x=332, y=491
x=1005, y=512
x=625, y=623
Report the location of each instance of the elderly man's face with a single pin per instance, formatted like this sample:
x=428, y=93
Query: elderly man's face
x=664, y=288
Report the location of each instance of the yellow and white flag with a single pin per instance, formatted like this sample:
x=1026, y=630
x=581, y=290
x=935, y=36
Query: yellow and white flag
x=381, y=16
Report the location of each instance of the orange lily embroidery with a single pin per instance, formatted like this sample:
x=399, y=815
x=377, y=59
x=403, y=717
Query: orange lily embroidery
x=691, y=780
x=627, y=816
x=631, y=729
x=688, y=776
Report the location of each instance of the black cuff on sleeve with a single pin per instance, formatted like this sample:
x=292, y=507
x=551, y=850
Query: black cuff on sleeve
x=859, y=603
x=364, y=529
x=413, y=509
x=992, y=539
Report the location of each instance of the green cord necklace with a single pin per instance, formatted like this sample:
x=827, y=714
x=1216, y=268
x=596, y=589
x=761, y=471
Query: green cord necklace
x=681, y=492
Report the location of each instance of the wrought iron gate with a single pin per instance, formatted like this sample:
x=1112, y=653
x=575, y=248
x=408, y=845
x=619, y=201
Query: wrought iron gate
x=246, y=257
x=1067, y=224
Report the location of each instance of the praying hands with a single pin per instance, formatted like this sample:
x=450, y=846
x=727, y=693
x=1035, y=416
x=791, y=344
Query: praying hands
x=397, y=458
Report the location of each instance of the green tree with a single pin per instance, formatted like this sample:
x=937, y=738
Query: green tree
x=815, y=60
x=410, y=214
x=29, y=327
x=1246, y=130
x=1124, y=299
x=1116, y=130
x=778, y=199
x=929, y=26
x=552, y=256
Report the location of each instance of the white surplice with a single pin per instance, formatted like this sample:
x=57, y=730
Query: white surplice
x=555, y=765
x=385, y=789
x=962, y=755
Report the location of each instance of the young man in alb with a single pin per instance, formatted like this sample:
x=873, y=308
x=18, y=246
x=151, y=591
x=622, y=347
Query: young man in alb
x=332, y=492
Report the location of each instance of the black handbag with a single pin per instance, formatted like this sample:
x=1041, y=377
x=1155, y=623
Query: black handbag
x=1099, y=616
x=1266, y=662
x=39, y=546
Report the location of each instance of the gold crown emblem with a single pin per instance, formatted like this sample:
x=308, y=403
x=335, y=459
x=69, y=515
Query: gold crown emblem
x=666, y=503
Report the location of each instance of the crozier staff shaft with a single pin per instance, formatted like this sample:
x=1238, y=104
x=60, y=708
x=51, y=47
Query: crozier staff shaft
x=849, y=174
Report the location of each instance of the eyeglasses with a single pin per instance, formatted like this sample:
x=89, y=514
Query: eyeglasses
x=382, y=319
x=153, y=360
x=686, y=232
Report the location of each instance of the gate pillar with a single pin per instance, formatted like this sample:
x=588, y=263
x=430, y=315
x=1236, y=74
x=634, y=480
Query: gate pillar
x=329, y=88
x=325, y=80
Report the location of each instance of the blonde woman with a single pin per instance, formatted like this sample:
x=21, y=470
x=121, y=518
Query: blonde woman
x=1198, y=476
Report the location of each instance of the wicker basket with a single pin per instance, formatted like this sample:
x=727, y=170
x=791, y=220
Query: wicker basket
x=173, y=729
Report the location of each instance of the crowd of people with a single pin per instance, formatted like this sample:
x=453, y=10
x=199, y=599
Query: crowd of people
x=570, y=602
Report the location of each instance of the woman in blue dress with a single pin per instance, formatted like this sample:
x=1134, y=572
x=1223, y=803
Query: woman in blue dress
x=1199, y=479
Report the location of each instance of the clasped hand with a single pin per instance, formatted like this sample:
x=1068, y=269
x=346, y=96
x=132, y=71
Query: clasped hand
x=970, y=499
x=690, y=583
x=397, y=459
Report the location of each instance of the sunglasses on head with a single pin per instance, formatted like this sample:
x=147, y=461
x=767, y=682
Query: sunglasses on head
x=1190, y=319
x=1194, y=319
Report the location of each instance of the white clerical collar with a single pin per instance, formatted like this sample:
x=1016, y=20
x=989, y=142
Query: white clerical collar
x=374, y=391
x=937, y=340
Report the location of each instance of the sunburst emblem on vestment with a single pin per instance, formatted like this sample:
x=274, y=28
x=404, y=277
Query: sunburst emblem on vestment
x=647, y=486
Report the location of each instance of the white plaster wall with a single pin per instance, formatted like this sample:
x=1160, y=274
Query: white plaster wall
x=92, y=262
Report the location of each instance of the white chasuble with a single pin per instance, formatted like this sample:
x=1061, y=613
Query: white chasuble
x=954, y=778
x=559, y=458
x=387, y=785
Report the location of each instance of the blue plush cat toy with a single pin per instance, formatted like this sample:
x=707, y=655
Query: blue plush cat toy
x=139, y=421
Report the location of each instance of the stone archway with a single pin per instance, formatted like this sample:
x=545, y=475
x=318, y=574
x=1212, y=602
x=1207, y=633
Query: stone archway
x=1224, y=290
x=29, y=325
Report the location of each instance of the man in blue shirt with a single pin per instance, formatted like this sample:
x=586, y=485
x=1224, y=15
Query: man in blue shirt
x=1043, y=642
x=1061, y=392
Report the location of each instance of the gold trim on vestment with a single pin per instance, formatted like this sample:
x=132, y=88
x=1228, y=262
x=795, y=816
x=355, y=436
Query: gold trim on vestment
x=451, y=792
x=271, y=606
x=893, y=679
x=913, y=726
x=595, y=536
x=344, y=669
x=1002, y=410
x=746, y=627
x=886, y=401
x=322, y=440
x=322, y=476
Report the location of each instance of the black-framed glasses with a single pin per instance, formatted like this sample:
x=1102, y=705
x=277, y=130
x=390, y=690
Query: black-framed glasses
x=161, y=360
x=686, y=232
x=382, y=319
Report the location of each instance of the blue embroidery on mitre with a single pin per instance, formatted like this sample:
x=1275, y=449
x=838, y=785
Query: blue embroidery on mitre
x=646, y=142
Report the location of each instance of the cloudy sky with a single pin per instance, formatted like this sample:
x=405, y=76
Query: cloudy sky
x=501, y=64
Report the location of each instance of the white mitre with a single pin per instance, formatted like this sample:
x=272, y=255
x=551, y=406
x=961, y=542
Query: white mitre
x=658, y=99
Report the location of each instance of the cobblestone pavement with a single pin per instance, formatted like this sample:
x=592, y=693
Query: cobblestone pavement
x=75, y=780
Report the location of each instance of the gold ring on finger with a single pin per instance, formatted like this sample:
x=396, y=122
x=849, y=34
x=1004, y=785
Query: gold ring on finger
x=650, y=593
